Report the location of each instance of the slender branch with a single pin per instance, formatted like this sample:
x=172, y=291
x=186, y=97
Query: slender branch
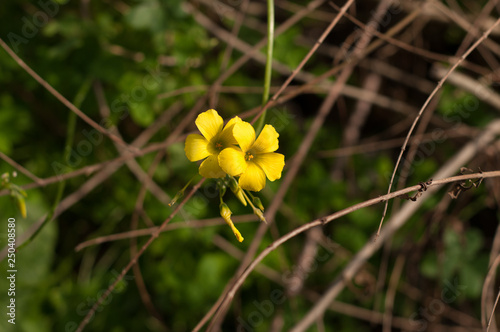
x=70, y=134
x=325, y=220
x=62, y=99
x=433, y=93
x=318, y=43
x=20, y=168
x=134, y=260
x=397, y=221
x=269, y=63
x=486, y=285
x=493, y=311
x=148, y=231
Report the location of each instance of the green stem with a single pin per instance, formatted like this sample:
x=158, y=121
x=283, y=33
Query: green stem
x=269, y=63
x=256, y=211
x=180, y=193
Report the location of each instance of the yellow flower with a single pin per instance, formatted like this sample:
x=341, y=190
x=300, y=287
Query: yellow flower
x=215, y=139
x=255, y=159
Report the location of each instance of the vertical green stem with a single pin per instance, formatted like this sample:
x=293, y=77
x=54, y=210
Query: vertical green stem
x=269, y=63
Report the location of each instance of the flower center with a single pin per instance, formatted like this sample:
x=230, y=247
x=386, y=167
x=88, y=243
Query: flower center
x=218, y=146
x=248, y=156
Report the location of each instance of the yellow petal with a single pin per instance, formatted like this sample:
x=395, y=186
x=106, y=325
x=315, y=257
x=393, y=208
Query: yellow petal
x=210, y=168
x=196, y=147
x=271, y=163
x=226, y=137
x=267, y=140
x=232, y=161
x=209, y=123
x=253, y=178
x=244, y=134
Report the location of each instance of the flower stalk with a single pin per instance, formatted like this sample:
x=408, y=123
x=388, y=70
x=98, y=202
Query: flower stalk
x=180, y=193
x=269, y=63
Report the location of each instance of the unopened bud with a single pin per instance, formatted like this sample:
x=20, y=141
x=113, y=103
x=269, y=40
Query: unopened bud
x=225, y=213
x=21, y=204
x=258, y=203
x=237, y=191
x=176, y=198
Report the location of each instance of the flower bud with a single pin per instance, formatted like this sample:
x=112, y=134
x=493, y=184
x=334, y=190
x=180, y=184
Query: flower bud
x=257, y=202
x=176, y=198
x=225, y=213
x=237, y=191
x=21, y=204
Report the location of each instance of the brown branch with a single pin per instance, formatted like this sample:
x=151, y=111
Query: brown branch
x=431, y=96
x=466, y=26
x=363, y=255
x=395, y=223
x=493, y=311
x=263, y=227
x=139, y=209
x=62, y=99
x=148, y=231
x=134, y=260
x=461, y=158
x=391, y=293
x=359, y=50
x=488, y=282
x=463, y=81
x=374, y=45
x=20, y=168
x=306, y=58
x=106, y=170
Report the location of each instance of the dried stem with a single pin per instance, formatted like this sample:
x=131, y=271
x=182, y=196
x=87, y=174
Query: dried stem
x=134, y=260
x=438, y=87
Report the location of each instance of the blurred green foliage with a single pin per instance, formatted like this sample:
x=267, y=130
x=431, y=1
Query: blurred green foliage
x=139, y=50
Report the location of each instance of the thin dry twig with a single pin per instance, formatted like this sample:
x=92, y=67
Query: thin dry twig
x=467, y=83
x=20, y=168
x=229, y=50
x=364, y=253
x=493, y=311
x=391, y=293
x=360, y=47
x=431, y=96
x=263, y=227
x=106, y=170
x=357, y=120
x=374, y=45
x=461, y=158
x=318, y=43
x=134, y=260
x=488, y=282
x=62, y=99
x=487, y=293
x=395, y=223
x=455, y=17
x=170, y=227
x=388, y=144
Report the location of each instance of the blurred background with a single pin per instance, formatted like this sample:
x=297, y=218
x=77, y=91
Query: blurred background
x=144, y=69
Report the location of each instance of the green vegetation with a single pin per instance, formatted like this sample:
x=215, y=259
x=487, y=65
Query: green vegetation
x=143, y=70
